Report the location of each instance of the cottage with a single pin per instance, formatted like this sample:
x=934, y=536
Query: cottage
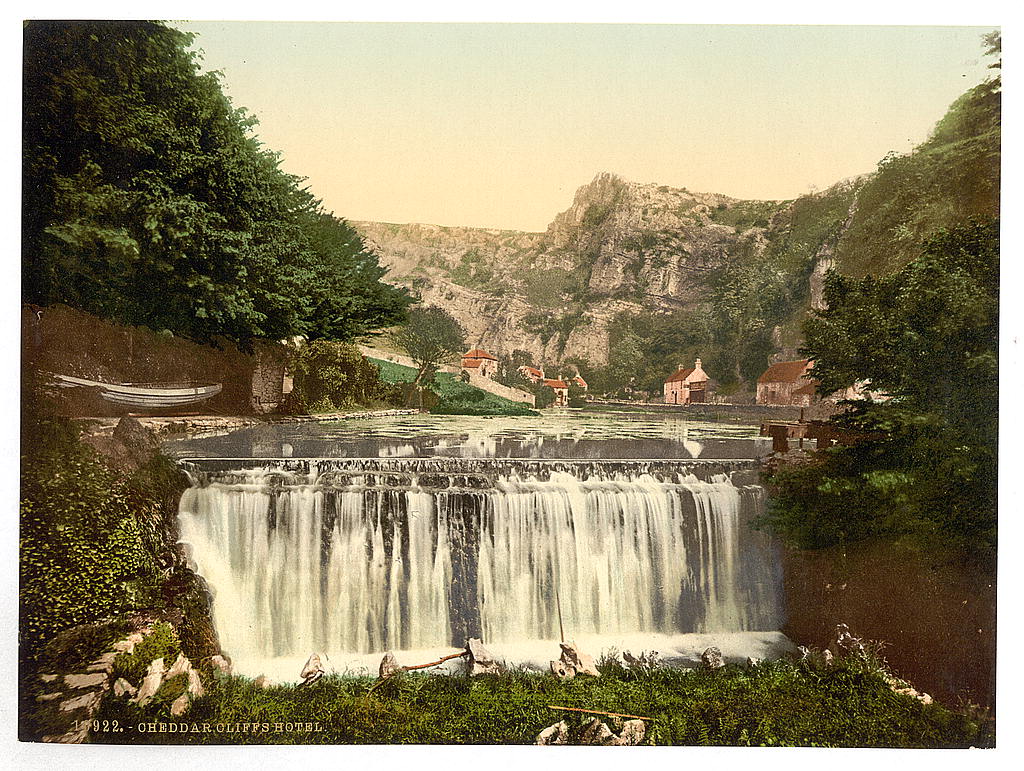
x=787, y=383
x=578, y=380
x=561, y=389
x=532, y=374
x=481, y=362
x=687, y=385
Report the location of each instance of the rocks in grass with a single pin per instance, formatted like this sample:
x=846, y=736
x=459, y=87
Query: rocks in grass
x=845, y=643
x=180, y=705
x=122, y=687
x=313, y=669
x=481, y=662
x=388, y=666
x=632, y=733
x=89, y=680
x=195, y=685
x=573, y=662
x=554, y=734
x=150, y=683
x=597, y=732
x=262, y=682
x=181, y=666
x=221, y=664
x=582, y=663
x=712, y=658
x=562, y=671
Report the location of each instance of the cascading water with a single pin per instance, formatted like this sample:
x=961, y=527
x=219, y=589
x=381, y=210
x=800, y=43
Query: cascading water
x=351, y=556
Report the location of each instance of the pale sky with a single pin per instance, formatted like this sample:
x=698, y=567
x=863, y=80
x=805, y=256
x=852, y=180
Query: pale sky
x=496, y=125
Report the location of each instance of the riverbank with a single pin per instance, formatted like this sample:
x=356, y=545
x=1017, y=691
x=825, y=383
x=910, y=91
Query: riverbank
x=778, y=703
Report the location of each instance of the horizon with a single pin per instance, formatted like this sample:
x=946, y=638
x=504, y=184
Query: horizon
x=495, y=126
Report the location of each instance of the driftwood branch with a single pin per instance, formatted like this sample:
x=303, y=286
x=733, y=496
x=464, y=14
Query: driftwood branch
x=600, y=712
x=417, y=666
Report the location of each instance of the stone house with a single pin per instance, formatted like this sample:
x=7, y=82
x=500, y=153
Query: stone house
x=561, y=389
x=687, y=385
x=787, y=383
x=480, y=362
x=532, y=374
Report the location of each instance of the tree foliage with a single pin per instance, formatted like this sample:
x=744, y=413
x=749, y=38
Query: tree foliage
x=329, y=376
x=431, y=337
x=926, y=335
x=148, y=200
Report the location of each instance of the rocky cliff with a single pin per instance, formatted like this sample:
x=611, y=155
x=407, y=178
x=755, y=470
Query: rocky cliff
x=744, y=270
x=621, y=247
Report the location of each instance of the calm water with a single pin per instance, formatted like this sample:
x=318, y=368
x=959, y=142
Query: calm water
x=563, y=434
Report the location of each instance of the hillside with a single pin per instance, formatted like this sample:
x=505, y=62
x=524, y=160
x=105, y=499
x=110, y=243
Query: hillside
x=631, y=264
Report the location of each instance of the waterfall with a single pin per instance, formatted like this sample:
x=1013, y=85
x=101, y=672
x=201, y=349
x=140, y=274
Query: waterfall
x=402, y=554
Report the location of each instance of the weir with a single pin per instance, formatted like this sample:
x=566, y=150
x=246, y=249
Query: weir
x=365, y=555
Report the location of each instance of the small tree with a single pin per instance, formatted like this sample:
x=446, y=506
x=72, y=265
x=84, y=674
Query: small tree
x=431, y=337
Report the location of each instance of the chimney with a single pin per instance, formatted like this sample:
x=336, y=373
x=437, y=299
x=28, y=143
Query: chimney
x=698, y=363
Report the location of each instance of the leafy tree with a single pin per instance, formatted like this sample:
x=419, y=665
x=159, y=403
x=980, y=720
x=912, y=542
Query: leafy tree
x=149, y=201
x=329, y=376
x=926, y=335
x=431, y=337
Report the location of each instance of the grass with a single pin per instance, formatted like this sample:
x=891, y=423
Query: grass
x=456, y=397
x=768, y=704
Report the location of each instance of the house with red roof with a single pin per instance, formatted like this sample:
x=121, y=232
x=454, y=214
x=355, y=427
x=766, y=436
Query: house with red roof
x=481, y=362
x=532, y=374
x=787, y=383
x=561, y=389
x=578, y=380
x=687, y=385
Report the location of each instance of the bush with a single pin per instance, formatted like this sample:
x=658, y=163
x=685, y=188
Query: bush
x=330, y=376
x=86, y=552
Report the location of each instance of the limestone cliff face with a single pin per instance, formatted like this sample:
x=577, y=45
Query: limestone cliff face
x=620, y=247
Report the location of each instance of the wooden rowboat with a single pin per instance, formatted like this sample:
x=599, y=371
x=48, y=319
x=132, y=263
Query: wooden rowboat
x=144, y=395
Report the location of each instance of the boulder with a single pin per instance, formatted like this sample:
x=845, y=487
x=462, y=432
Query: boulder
x=582, y=663
x=48, y=678
x=150, y=683
x=104, y=663
x=85, y=681
x=388, y=666
x=632, y=733
x=180, y=705
x=597, y=733
x=181, y=666
x=87, y=701
x=123, y=687
x=481, y=662
x=134, y=435
x=712, y=658
x=195, y=685
x=554, y=734
x=262, y=682
x=49, y=696
x=221, y=664
x=562, y=671
x=312, y=666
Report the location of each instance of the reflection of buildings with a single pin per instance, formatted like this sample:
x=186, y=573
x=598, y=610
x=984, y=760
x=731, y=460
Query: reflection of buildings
x=687, y=385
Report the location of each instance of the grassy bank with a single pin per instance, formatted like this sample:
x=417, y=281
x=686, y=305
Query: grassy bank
x=768, y=704
x=454, y=397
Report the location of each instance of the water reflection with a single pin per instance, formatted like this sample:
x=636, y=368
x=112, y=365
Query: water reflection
x=563, y=435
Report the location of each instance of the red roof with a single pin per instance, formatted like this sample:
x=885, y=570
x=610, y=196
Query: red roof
x=680, y=374
x=479, y=353
x=533, y=371
x=579, y=381
x=785, y=371
x=807, y=390
x=555, y=384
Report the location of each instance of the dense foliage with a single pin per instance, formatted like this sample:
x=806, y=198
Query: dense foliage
x=927, y=336
x=431, y=337
x=87, y=547
x=148, y=200
x=770, y=704
x=329, y=376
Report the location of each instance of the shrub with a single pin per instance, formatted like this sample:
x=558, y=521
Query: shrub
x=329, y=376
